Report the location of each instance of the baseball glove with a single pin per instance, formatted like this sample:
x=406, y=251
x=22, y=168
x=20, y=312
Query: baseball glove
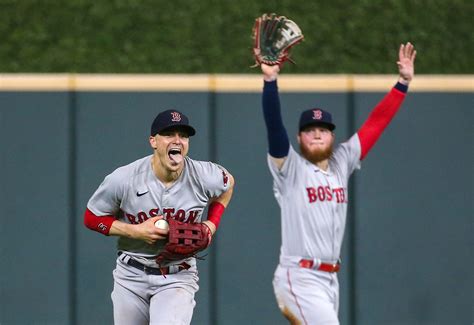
x=184, y=240
x=273, y=37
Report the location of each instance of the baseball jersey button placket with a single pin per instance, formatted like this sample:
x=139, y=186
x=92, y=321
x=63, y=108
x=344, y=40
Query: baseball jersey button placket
x=164, y=197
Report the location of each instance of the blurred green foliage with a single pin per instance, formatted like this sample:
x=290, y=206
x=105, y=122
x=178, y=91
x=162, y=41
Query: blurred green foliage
x=213, y=36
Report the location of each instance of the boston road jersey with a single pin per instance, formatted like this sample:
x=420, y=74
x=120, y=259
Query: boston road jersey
x=313, y=202
x=134, y=194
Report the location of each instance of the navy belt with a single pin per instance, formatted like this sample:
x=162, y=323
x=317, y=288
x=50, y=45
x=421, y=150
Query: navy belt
x=154, y=270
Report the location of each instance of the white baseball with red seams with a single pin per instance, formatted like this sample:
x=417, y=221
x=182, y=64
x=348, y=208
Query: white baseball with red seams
x=162, y=224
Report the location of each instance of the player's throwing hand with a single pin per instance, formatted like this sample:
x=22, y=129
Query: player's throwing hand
x=406, y=63
x=148, y=232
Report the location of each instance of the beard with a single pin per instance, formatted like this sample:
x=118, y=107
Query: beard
x=318, y=155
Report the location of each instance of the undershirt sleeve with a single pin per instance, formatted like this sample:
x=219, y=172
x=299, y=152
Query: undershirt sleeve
x=380, y=117
x=278, y=143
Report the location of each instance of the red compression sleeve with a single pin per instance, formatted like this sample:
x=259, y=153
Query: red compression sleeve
x=215, y=212
x=378, y=120
x=100, y=224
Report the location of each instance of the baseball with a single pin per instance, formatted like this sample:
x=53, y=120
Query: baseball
x=162, y=224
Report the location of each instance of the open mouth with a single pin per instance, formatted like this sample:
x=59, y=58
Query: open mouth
x=175, y=155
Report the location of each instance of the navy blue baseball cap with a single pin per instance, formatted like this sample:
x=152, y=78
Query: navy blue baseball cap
x=170, y=119
x=317, y=117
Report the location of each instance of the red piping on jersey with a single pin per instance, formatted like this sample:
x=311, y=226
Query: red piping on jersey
x=378, y=120
x=294, y=296
x=214, y=213
x=100, y=224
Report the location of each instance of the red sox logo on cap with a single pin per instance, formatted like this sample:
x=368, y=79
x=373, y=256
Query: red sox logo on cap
x=317, y=114
x=175, y=117
x=171, y=118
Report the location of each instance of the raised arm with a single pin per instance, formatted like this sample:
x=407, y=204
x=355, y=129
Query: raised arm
x=386, y=109
x=278, y=142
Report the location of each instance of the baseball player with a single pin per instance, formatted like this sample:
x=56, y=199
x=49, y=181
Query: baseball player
x=311, y=190
x=164, y=185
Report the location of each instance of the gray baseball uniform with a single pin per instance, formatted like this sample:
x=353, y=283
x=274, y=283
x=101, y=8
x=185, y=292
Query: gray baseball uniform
x=312, y=193
x=313, y=206
x=134, y=194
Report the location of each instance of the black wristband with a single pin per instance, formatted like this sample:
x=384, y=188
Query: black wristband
x=403, y=88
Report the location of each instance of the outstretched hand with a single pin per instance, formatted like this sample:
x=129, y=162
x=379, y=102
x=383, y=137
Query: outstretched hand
x=270, y=72
x=406, y=63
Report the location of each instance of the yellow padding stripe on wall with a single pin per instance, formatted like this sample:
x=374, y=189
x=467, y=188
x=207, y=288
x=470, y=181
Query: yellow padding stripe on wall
x=243, y=83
